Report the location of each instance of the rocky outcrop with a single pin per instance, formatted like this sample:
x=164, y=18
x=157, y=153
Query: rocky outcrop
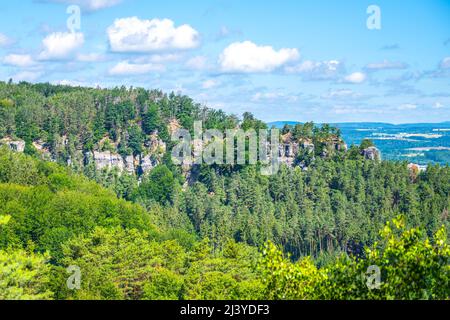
x=132, y=165
x=14, y=144
x=108, y=160
x=371, y=153
x=288, y=152
x=104, y=158
x=307, y=145
x=417, y=167
x=155, y=145
x=129, y=163
x=41, y=148
x=147, y=164
x=173, y=126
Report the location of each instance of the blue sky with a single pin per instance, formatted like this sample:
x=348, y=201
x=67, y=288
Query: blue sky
x=281, y=60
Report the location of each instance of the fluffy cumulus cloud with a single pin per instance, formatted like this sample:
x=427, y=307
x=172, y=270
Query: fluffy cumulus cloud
x=317, y=70
x=126, y=68
x=248, y=57
x=355, y=77
x=135, y=35
x=385, y=65
x=90, y=5
x=18, y=60
x=61, y=45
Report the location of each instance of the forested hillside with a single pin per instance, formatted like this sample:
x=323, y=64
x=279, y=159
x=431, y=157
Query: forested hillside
x=90, y=182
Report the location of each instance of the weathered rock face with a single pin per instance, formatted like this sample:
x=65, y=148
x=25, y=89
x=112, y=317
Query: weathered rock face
x=147, y=164
x=105, y=158
x=14, y=145
x=371, y=153
x=173, y=126
x=129, y=163
x=155, y=145
x=43, y=150
x=288, y=152
x=308, y=145
x=108, y=160
x=417, y=167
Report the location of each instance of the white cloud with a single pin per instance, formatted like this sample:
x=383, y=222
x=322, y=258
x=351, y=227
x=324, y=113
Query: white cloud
x=407, y=106
x=247, y=57
x=18, y=60
x=4, y=40
x=385, y=65
x=445, y=63
x=60, y=45
x=317, y=70
x=28, y=76
x=211, y=83
x=356, y=77
x=90, y=5
x=90, y=57
x=135, y=35
x=124, y=68
x=197, y=63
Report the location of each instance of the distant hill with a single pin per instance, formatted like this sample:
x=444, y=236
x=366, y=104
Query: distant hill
x=280, y=124
x=421, y=143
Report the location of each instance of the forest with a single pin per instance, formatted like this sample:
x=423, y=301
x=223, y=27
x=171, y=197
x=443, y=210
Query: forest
x=87, y=180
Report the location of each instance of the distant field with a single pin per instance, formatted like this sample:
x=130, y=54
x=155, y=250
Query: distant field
x=421, y=143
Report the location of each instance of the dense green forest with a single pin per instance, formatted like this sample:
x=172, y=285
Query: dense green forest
x=91, y=183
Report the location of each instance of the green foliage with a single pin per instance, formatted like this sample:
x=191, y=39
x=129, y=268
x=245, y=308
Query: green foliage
x=326, y=216
x=48, y=205
x=23, y=276
x=160, y=186
x=229, y=274
x=284, y=280
x=117, y=263
x=412, y=267
x=366, y=143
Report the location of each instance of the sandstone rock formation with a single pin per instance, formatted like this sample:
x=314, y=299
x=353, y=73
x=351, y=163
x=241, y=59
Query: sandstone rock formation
x=108, y=160
x=14, y=144
x=371, y=153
